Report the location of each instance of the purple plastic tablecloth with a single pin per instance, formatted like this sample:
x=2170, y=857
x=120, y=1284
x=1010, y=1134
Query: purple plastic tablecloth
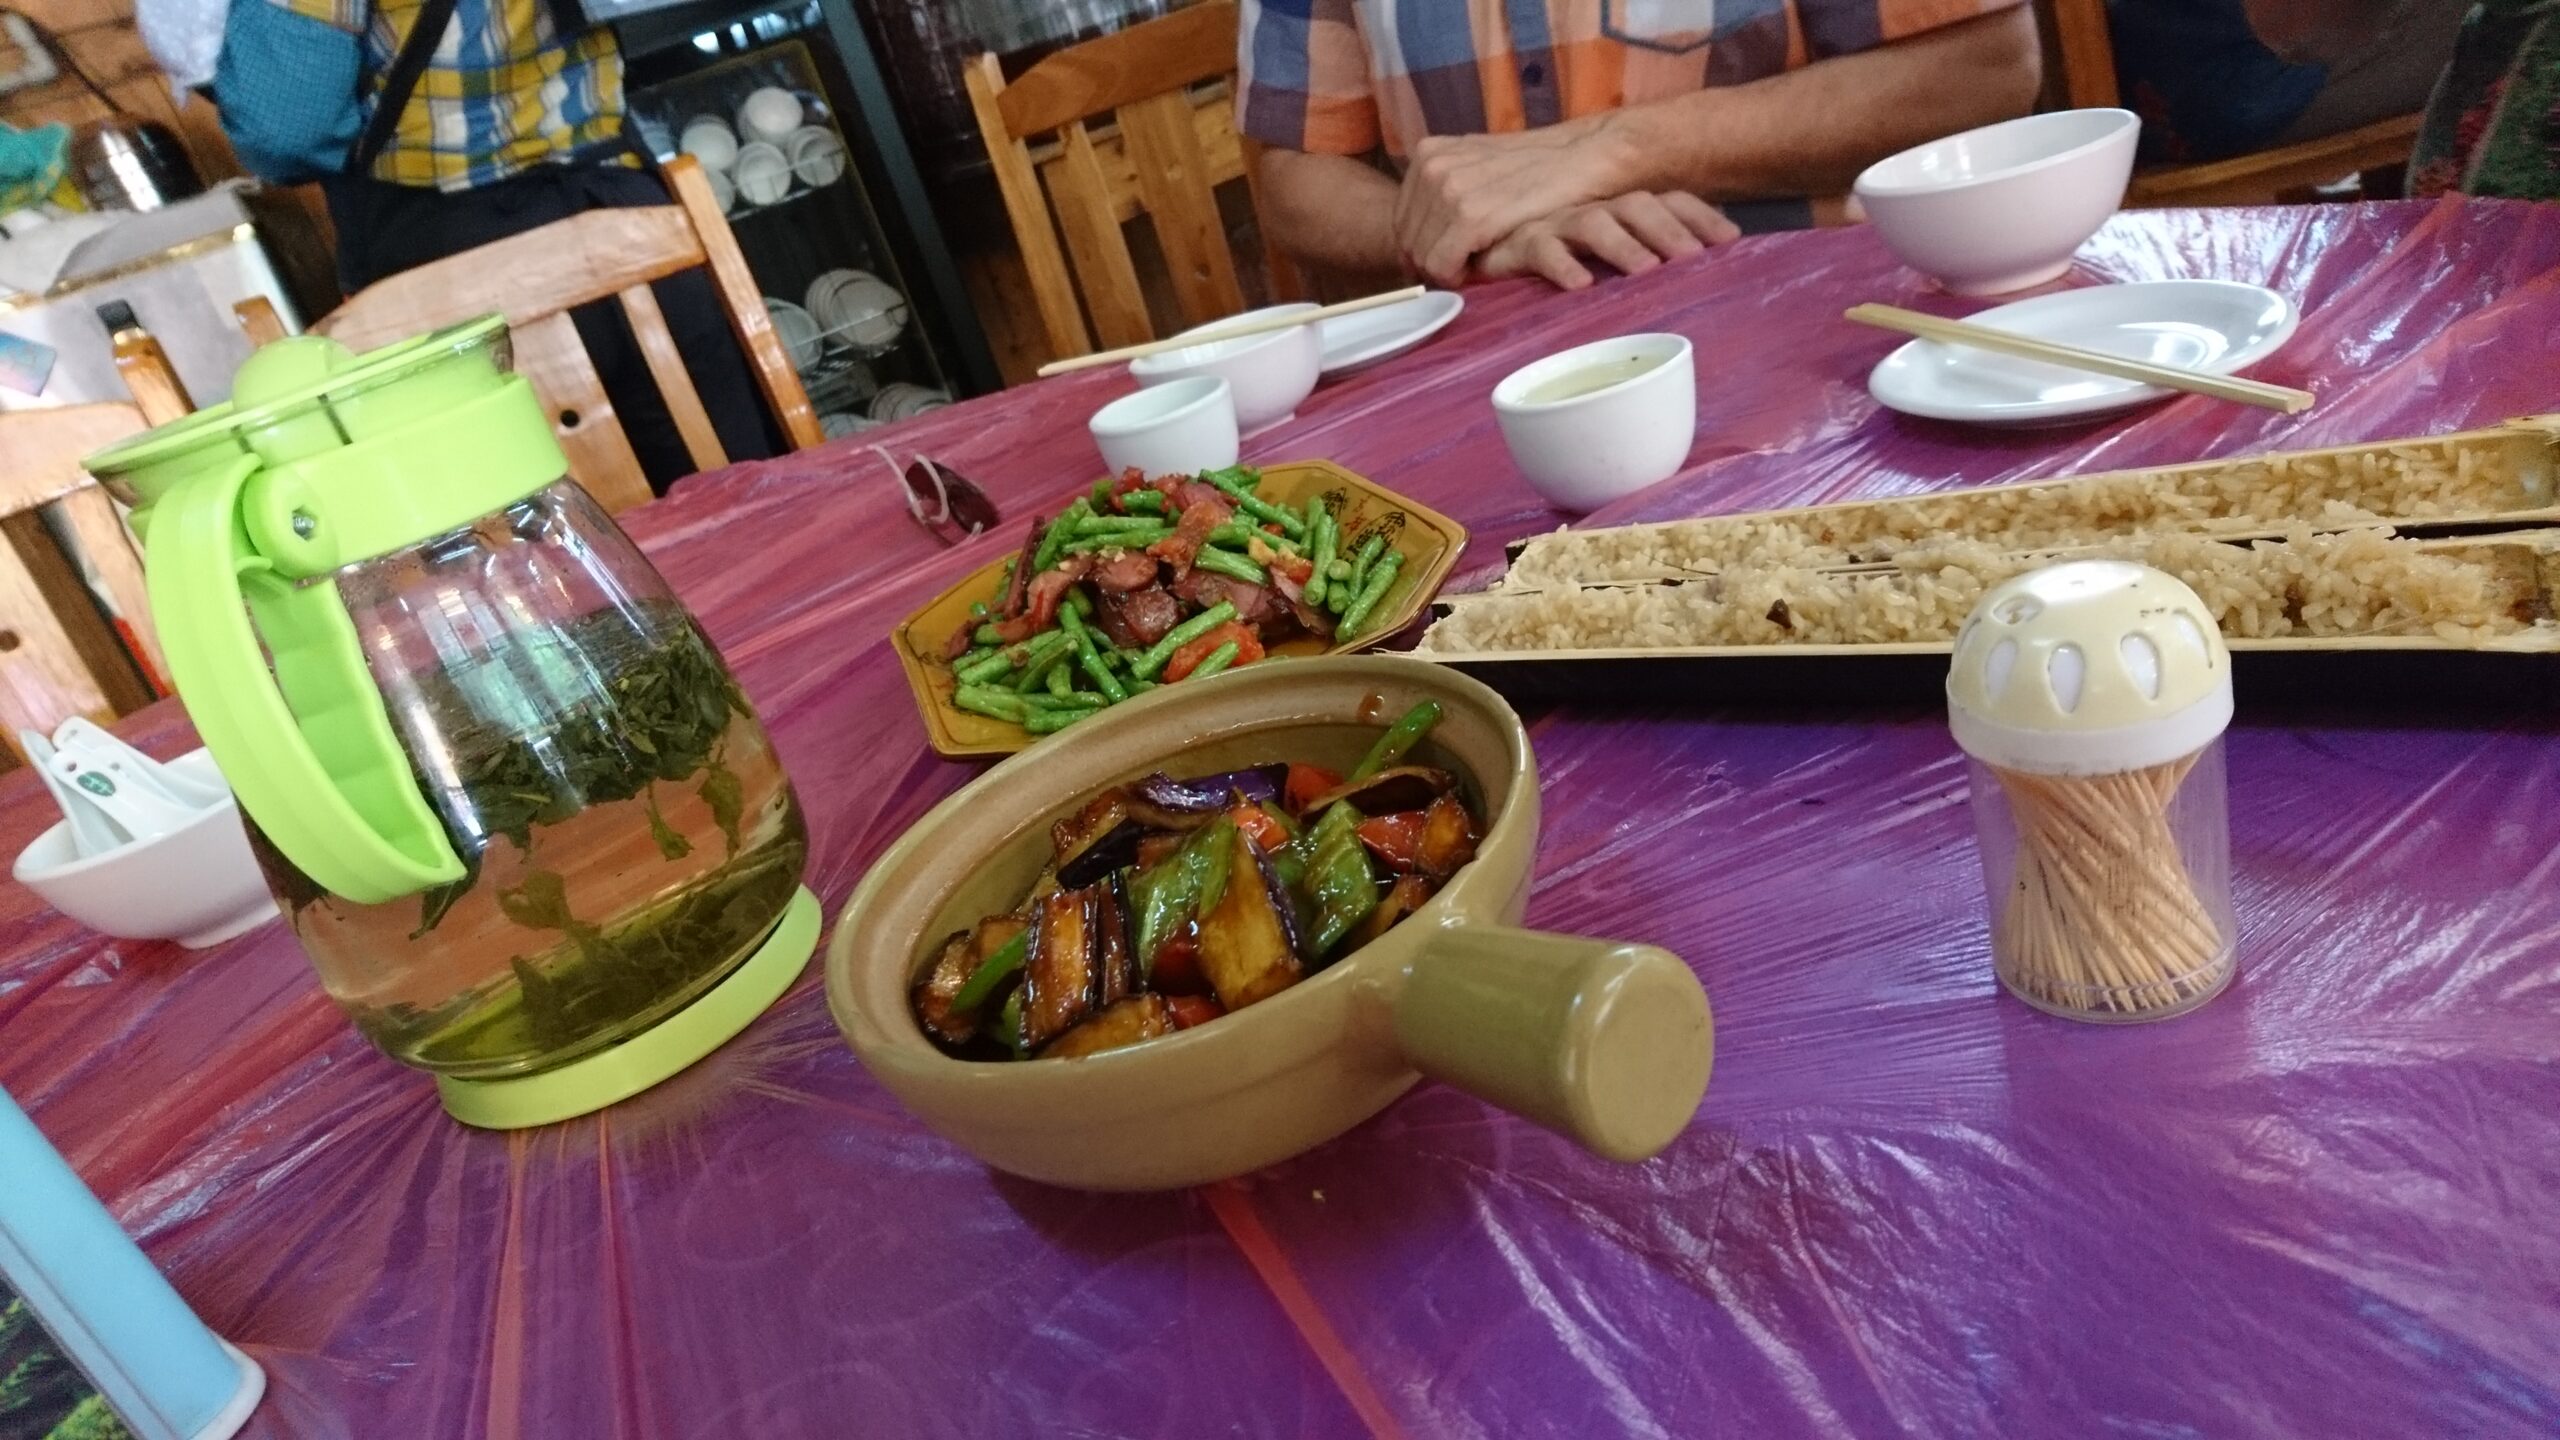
x=2327, y=1204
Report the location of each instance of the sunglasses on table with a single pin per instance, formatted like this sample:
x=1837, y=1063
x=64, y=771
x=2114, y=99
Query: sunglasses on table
x=941, y=499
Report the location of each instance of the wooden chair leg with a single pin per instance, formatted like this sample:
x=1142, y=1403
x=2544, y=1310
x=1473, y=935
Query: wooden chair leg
x=258, y=320
x=156, y=389
x=1019, y=186
x=108, y=547
x=775, y=375
x=675, y=386
x=1101, y=252
x=57, y=658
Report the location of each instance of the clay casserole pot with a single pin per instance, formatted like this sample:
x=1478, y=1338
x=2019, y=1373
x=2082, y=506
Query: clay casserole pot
x=1605, y=1042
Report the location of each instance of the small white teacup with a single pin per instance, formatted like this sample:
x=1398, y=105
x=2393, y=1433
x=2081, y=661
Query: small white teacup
x=1180, y=427
x=1600, y=421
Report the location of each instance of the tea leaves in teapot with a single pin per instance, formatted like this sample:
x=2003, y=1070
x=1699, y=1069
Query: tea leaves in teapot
x=658, y=715
x=293, y=889
x=581, y=987
x=670, y=841
x=433, y=904
x=726, y=797
x=574, y=938
x=539, y=902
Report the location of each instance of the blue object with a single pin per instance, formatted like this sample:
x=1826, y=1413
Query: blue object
x=31, y=163
x=112, y=1315
x=286, y=87
x=24, y=364
x=2204, y=85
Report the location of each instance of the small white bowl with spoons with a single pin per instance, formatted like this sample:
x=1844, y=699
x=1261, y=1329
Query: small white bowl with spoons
x=144, y=851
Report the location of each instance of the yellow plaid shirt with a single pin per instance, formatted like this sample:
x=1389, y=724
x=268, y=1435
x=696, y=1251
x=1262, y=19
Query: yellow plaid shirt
x=504, y=92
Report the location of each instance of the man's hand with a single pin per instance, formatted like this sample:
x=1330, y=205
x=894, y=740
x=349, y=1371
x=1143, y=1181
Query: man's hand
x=1462, y=193
x=1806, y=132
x=1633, y=232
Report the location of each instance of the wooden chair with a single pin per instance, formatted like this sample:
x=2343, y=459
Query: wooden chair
x=537, y=278
x=149, y=378
x=2080, y=71
x=258, y=319
x=1163, y=159
x=58, y=655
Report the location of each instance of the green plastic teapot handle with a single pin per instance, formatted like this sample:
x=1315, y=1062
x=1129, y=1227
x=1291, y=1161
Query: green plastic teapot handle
x=307, y=746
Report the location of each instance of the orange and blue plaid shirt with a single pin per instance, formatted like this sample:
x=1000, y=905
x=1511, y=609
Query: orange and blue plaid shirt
x=1342, y=77
x=504, y=92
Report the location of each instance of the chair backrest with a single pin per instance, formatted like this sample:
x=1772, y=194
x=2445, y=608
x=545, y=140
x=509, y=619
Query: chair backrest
x=58, y=655
x=149, y=378
x=2080, y=56
x=535, y=279
x=1163, y=157
x=258, y=319
x=2080, y=72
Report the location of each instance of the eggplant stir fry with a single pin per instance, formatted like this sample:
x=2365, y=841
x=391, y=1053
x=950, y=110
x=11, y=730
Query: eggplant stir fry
x=1171, y=902
x=1144, y=583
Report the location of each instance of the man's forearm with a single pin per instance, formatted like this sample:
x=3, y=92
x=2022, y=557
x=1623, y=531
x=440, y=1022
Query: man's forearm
x=1331, y=210
x=1804, y=133
x=1810, y=131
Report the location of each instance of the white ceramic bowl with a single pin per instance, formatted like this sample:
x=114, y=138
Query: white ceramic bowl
x=196, y=885
x=1270, y=373
x=798, y=331
x=850, y=386
x=707, y=138
x=762, y=174
x=859, y=308
x=1180, y=427
x=816, y=155
x=721, y=189
x=769, y=114
x=903, y=401
x=2003, y=207
x=1582, y=452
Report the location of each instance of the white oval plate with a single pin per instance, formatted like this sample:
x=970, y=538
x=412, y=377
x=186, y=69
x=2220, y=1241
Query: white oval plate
x=2217, y=326
x=1366, y=337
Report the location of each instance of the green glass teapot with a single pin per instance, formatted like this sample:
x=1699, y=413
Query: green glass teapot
x=527, y=827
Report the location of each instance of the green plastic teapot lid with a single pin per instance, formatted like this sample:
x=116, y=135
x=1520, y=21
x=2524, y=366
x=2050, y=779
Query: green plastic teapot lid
x=274, y=383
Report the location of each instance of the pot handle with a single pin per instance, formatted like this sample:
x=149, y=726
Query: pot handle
x=1604, y=1042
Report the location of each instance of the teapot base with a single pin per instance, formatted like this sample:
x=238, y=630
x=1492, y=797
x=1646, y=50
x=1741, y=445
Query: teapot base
x=659, y=1053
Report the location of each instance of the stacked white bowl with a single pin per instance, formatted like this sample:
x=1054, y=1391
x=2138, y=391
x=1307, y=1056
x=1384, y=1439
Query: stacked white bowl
x=770, y=114
x=798, y=330
x=901, y=401
x=773, y=141
x=816, y=155
x=762, y=174
x=858, y=309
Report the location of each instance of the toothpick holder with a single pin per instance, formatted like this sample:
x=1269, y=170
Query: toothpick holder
x=2092, y=698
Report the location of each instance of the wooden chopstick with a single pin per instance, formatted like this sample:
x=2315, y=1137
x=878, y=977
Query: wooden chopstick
x=1983, y=337
x=1236, y=331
